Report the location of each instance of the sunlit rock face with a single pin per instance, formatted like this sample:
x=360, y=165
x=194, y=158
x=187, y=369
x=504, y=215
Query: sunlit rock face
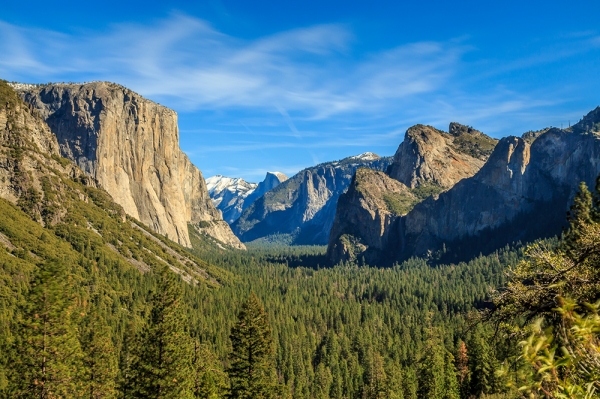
x=521, y=193
x=130, y=146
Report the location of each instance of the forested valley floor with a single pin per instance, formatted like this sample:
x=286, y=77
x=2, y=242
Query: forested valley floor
x=77, y=321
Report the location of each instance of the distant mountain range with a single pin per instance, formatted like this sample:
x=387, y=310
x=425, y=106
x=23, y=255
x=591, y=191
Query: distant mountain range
x=302, y=208
x=232, y=195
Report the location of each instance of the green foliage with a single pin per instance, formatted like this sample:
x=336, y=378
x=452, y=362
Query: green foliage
x=210, y=380
x=476, y=145
x=8, y=97
x=162, y=365
x=100, y=361
x=426, y=190
x=556, y=292
x=398, y=203
x=482, y=365
x=565, y=368
x=47, y=360
x=251, y=364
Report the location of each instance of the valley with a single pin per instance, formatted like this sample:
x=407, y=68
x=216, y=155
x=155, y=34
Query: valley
x=125, y=274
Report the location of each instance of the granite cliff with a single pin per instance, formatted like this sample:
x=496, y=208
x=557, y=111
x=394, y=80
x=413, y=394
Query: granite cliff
x=428, y=155
x=366, y=216
x=426, y=163
x=50, y=209
x=303, y=207
x=130, y=146
x=521, y=193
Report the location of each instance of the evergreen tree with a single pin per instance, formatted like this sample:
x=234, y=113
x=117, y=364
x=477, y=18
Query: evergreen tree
x=394, y=388
x=451, y=390
x=210, y=381
x=579, y=215
x=161, y=368
x=462, y=367
x=410, y=383
x=251, y=370
x=100, y=359
x=432, y=378
x=376, y=379
x=482, y=365
x=48, y=357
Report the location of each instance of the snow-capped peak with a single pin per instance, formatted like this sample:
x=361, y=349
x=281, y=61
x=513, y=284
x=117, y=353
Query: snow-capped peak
x=366, y=156
x=217, y=184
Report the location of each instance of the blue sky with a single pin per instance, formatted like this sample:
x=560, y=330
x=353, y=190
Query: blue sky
x=270, y=85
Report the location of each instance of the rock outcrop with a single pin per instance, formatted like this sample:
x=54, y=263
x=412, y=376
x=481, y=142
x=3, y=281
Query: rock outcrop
x=366, y=216
x=130, y=146
x=427, y=162
x=521, y=194
x=303, y=207
x=429, y=155
x=272, y=180
x=30, y=162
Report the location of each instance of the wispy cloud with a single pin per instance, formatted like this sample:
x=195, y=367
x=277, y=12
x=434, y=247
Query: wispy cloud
x=308, y=71
x=302, y=89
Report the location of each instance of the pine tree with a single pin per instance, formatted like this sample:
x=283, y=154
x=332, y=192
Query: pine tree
x=410, y=383
x=100, y=359
x=482, y=365
x=251, y=369
x=451, y=387
x=210, y=381
x=376, y=379
x=432, y=371
x=579, y=215
x=48, y=357
x=394, y=388
x=161, y=368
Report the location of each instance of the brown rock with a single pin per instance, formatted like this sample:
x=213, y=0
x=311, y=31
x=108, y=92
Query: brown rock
x=436, y=157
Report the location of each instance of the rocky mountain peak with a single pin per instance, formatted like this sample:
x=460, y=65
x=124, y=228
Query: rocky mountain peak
x=365, y=215
x=429, y=155
x=272, y=180
x=456, y=129
x=232, y=195
x=365, y=156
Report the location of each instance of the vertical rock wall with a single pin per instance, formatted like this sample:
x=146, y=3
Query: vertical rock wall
x=130, y=145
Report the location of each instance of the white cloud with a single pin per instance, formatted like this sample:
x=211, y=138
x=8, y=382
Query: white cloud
x=306, y=71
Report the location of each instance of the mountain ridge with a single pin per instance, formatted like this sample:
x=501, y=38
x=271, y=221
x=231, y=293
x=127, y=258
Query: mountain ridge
x=231, y=195
x=303, y=206
x=507, y=200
